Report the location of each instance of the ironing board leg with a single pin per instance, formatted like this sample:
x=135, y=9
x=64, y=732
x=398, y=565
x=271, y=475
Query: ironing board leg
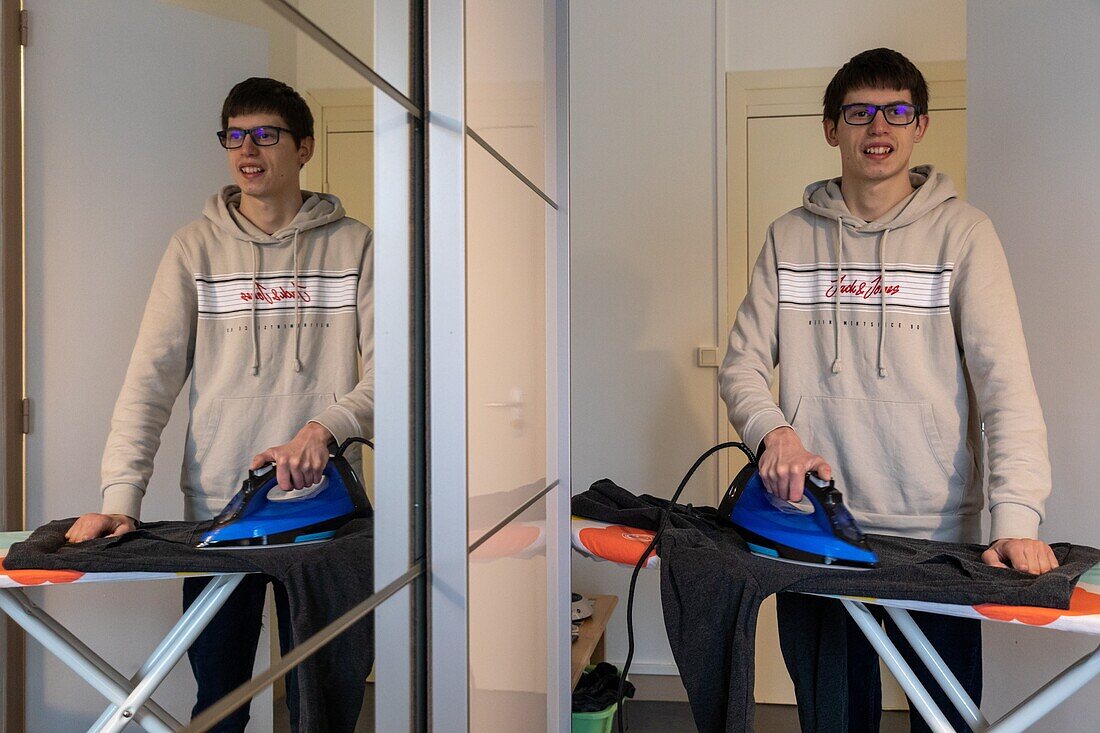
x=78, y=657
x=1050, y=695
x=890, y=655
x=168, y=652
x=939, y=669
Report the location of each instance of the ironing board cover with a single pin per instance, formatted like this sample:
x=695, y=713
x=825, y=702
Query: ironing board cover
x=624, y=545
x=25, y=578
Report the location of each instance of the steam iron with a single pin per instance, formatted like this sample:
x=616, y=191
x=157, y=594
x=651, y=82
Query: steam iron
x=817, y=530
x=263, y=515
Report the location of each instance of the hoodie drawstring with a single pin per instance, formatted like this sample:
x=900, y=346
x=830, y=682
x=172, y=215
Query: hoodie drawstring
x=255, y=330
x=297, y=311
x=837, y=363
x=297, y=304
x=882, y=303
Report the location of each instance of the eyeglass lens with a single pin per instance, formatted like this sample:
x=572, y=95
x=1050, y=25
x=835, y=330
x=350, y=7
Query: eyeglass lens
x=234, y=136
x=895, y=114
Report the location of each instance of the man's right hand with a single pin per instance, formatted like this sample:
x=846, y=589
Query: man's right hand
x=93, y=525
x=785, y=463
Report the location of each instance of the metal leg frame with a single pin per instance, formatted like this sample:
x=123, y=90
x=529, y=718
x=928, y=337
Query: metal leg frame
x=1018, y=719
x=130, y=698
x=889, y=653
x=947, y=680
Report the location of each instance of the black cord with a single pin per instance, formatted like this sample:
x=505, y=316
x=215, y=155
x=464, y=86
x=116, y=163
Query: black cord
x=645, y=555
x=344, y=446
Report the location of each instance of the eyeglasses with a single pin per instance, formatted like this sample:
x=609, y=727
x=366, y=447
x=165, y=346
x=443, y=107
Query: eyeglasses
x=265, y=135
x=895, y=113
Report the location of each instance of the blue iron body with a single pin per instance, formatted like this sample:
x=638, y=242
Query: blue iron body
x=818, y=530
x=263, y=515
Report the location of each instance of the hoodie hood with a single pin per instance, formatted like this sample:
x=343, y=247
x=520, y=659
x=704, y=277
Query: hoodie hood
x=223, y=210
x=823, y=198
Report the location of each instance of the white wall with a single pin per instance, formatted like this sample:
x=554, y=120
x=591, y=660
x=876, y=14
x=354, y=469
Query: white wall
x=120, y=152
x=1025, y=60
x=793, y=34
x=642, y=267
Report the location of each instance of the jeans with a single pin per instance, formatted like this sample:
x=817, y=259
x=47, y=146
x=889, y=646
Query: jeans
x=223, y=656
x=836, y=670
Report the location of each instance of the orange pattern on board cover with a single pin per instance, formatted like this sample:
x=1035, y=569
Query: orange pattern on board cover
x=38, y=577
x=1081, y=603
x=617, y=543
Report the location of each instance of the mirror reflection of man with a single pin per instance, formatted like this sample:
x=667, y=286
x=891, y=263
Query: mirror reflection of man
x=266, y=303
x=888, y=306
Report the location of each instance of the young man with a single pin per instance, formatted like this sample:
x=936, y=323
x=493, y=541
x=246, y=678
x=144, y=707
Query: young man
x=266, y=303
x=888, y=306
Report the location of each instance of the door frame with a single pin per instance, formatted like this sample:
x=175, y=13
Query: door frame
x=11, y=338
x=778, y=93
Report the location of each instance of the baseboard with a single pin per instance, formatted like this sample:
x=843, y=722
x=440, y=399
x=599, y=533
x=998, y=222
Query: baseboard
x=661, y=683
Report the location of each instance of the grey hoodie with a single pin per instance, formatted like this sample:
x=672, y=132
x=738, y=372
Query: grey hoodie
x=895, y=340
x=274, y=330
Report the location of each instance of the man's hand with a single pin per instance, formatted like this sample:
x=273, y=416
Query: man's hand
x=93, y=525
x=301, y=462
x=1027, y=556
x=785, y=463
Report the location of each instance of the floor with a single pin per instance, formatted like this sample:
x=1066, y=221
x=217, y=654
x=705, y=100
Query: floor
x=644, y=716
x=647, y=716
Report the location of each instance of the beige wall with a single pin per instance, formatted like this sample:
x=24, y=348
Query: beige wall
x=793, y=34
x=510, y=251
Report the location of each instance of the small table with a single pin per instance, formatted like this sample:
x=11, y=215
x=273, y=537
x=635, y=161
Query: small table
x=589, y=646
x=130, y=698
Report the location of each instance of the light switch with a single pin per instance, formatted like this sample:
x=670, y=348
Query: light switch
x=706, y=356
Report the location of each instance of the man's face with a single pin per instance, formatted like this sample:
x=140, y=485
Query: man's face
x=878, y=151
x=267, y=171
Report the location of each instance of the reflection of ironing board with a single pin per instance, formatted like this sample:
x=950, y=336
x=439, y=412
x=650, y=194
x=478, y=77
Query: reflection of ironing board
x=130, y=698
x=624, y=545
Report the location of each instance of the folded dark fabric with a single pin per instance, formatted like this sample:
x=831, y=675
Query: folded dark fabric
x=712, y=588
x=323, y=580
x=598, y=689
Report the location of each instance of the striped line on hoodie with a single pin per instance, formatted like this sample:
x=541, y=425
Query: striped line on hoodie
x=316, y=291
x=813, y=286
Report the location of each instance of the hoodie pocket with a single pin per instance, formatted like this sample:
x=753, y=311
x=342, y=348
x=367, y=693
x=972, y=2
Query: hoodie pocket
x=888, y=456
x=244, y=426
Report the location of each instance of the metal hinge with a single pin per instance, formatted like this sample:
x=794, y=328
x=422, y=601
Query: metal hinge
x=27, y=416
x=24, y=25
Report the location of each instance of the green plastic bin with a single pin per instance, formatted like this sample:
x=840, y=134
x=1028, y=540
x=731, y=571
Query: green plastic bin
x=598, y=722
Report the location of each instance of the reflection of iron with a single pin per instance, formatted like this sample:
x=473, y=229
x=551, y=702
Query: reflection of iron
x=263, y=515
x=818, y=530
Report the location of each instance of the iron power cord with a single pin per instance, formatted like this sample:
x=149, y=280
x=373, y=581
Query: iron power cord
x=347, y=444
x=645, y=555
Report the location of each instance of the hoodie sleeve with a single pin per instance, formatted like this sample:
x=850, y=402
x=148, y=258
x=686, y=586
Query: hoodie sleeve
x=990, y=333
x=159, y=366
x=353, y=414
x=745, y=378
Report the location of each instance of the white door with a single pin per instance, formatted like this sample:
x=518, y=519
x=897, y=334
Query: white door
x=121, y=101
x=784, y=154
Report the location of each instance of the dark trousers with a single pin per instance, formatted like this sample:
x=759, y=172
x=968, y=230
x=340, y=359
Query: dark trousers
x=225, y=652
x=836, y=671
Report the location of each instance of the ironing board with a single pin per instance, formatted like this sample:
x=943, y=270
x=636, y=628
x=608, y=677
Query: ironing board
x=130, y=699
x=624, y=545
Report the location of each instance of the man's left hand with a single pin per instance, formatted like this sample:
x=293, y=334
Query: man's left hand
x=301, y=462
x=1027, y=556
